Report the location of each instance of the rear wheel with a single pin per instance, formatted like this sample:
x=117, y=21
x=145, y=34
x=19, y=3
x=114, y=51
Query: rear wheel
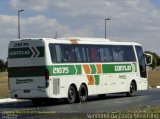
x=83, y=93
x=72, y=94
x=132, y=89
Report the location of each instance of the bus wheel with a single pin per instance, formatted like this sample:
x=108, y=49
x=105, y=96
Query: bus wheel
x=132, y=89
x=83, y=93
x=72, y=94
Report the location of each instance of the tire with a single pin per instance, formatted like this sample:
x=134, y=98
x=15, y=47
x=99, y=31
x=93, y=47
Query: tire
x=83, y=93
x=72, y=95
x=132, y=89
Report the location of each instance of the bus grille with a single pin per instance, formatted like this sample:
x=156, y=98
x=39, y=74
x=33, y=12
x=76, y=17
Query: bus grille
x=56, y=86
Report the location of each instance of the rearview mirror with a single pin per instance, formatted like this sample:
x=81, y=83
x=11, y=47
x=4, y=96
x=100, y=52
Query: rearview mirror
x=149, y=59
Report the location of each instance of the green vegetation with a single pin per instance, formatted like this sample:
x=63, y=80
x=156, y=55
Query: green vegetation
x=143, y=113
x=148, y=110
x=155, y=60
x=3, y=65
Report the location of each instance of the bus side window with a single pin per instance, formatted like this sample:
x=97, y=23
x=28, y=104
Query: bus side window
x=65, y=52
x=102, y=54
x=93, y=54
x=87, y=54
x=69, y=53
x=120, y=55
x=78, y=54
x=58, y=53
x=115, y=55
x=84, y=58
x=52, y=52
x=130, y=55
x=108, y=56
x=98, y=55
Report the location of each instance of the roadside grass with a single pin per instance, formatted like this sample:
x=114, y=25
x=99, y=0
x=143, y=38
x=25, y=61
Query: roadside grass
x=3, y=74
x=135, y=113
x=147, y=109
x=146, y=112
x=4, y=85
x=154, y=78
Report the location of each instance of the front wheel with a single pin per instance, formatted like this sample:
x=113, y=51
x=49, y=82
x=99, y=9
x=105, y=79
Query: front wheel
x=132, y=89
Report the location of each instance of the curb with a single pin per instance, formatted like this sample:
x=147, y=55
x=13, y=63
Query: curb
x=158, y=87
x=7, y=100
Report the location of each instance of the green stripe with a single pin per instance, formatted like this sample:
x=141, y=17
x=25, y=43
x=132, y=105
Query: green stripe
x=60, y=70
x=116, y=68
x=41, y=50
x=93, y=69
x=135, y=66
x=79, y=69
x=97, y=77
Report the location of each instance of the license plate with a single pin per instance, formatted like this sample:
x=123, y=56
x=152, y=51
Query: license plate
x=26, y=91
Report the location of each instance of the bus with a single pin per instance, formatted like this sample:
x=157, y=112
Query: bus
x=74, y=68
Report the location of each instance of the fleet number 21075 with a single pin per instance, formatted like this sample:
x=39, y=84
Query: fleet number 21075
x=60, y=70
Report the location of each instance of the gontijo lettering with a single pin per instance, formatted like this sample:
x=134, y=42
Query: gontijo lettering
x=123, y=68
x=27, y=52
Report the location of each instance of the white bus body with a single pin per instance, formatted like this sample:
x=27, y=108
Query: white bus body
x=74, y=68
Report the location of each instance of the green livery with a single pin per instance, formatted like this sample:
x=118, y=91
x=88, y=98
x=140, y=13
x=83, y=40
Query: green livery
x=60, y=70
x=26, y=52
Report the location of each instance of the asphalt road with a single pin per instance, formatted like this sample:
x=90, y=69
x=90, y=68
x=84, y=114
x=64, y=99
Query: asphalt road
x=112, y=103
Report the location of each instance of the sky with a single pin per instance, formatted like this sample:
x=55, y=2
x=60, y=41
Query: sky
x=131, y=20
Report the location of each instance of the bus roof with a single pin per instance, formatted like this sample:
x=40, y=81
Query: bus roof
x=80, y=40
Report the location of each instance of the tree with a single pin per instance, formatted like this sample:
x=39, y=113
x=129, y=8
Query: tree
x=154, y=62
x=155, y=59
x=158, y=61
x=6, y=66
x=2, y=65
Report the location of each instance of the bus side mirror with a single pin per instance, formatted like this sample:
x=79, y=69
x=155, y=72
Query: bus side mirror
x=149, y=59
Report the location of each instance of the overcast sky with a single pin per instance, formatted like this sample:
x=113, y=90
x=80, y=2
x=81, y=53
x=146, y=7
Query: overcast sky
x=131, y=20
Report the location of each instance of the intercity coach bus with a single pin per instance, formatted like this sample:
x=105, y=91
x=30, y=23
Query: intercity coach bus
x=74, y=68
